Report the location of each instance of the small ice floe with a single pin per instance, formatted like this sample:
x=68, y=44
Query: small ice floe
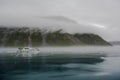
x=102, y=57
x=27, y=51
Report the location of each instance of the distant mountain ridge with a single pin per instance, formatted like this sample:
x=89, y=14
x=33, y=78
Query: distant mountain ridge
x=35, y=37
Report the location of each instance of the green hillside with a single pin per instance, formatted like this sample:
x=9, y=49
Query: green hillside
x=20, y=37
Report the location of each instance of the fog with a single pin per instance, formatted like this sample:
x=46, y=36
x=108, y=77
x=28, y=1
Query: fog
x=111, y=51
x=96, y=16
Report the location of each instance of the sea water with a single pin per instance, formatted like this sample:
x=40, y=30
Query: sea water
x=62, y=67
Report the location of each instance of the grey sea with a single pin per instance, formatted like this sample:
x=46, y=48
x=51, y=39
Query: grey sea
x=61, y=63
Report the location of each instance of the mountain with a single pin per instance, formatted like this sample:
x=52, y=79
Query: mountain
x=26, y=36
x=52, y=31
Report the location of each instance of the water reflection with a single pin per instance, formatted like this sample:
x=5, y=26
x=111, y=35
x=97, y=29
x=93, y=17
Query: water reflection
x=57, y=67
x=36, y=70
x=37, y=63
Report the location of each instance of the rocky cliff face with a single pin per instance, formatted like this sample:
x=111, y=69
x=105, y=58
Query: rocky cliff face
x=20, y=37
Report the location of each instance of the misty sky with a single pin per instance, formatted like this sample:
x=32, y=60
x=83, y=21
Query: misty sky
x=97, y=16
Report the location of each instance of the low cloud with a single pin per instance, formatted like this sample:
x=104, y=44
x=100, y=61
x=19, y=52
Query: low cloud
x=96, y=16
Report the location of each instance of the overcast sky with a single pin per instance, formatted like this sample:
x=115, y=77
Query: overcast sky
x=100, y=16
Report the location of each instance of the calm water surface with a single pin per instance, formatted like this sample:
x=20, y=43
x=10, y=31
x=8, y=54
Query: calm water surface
x=103, y=68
